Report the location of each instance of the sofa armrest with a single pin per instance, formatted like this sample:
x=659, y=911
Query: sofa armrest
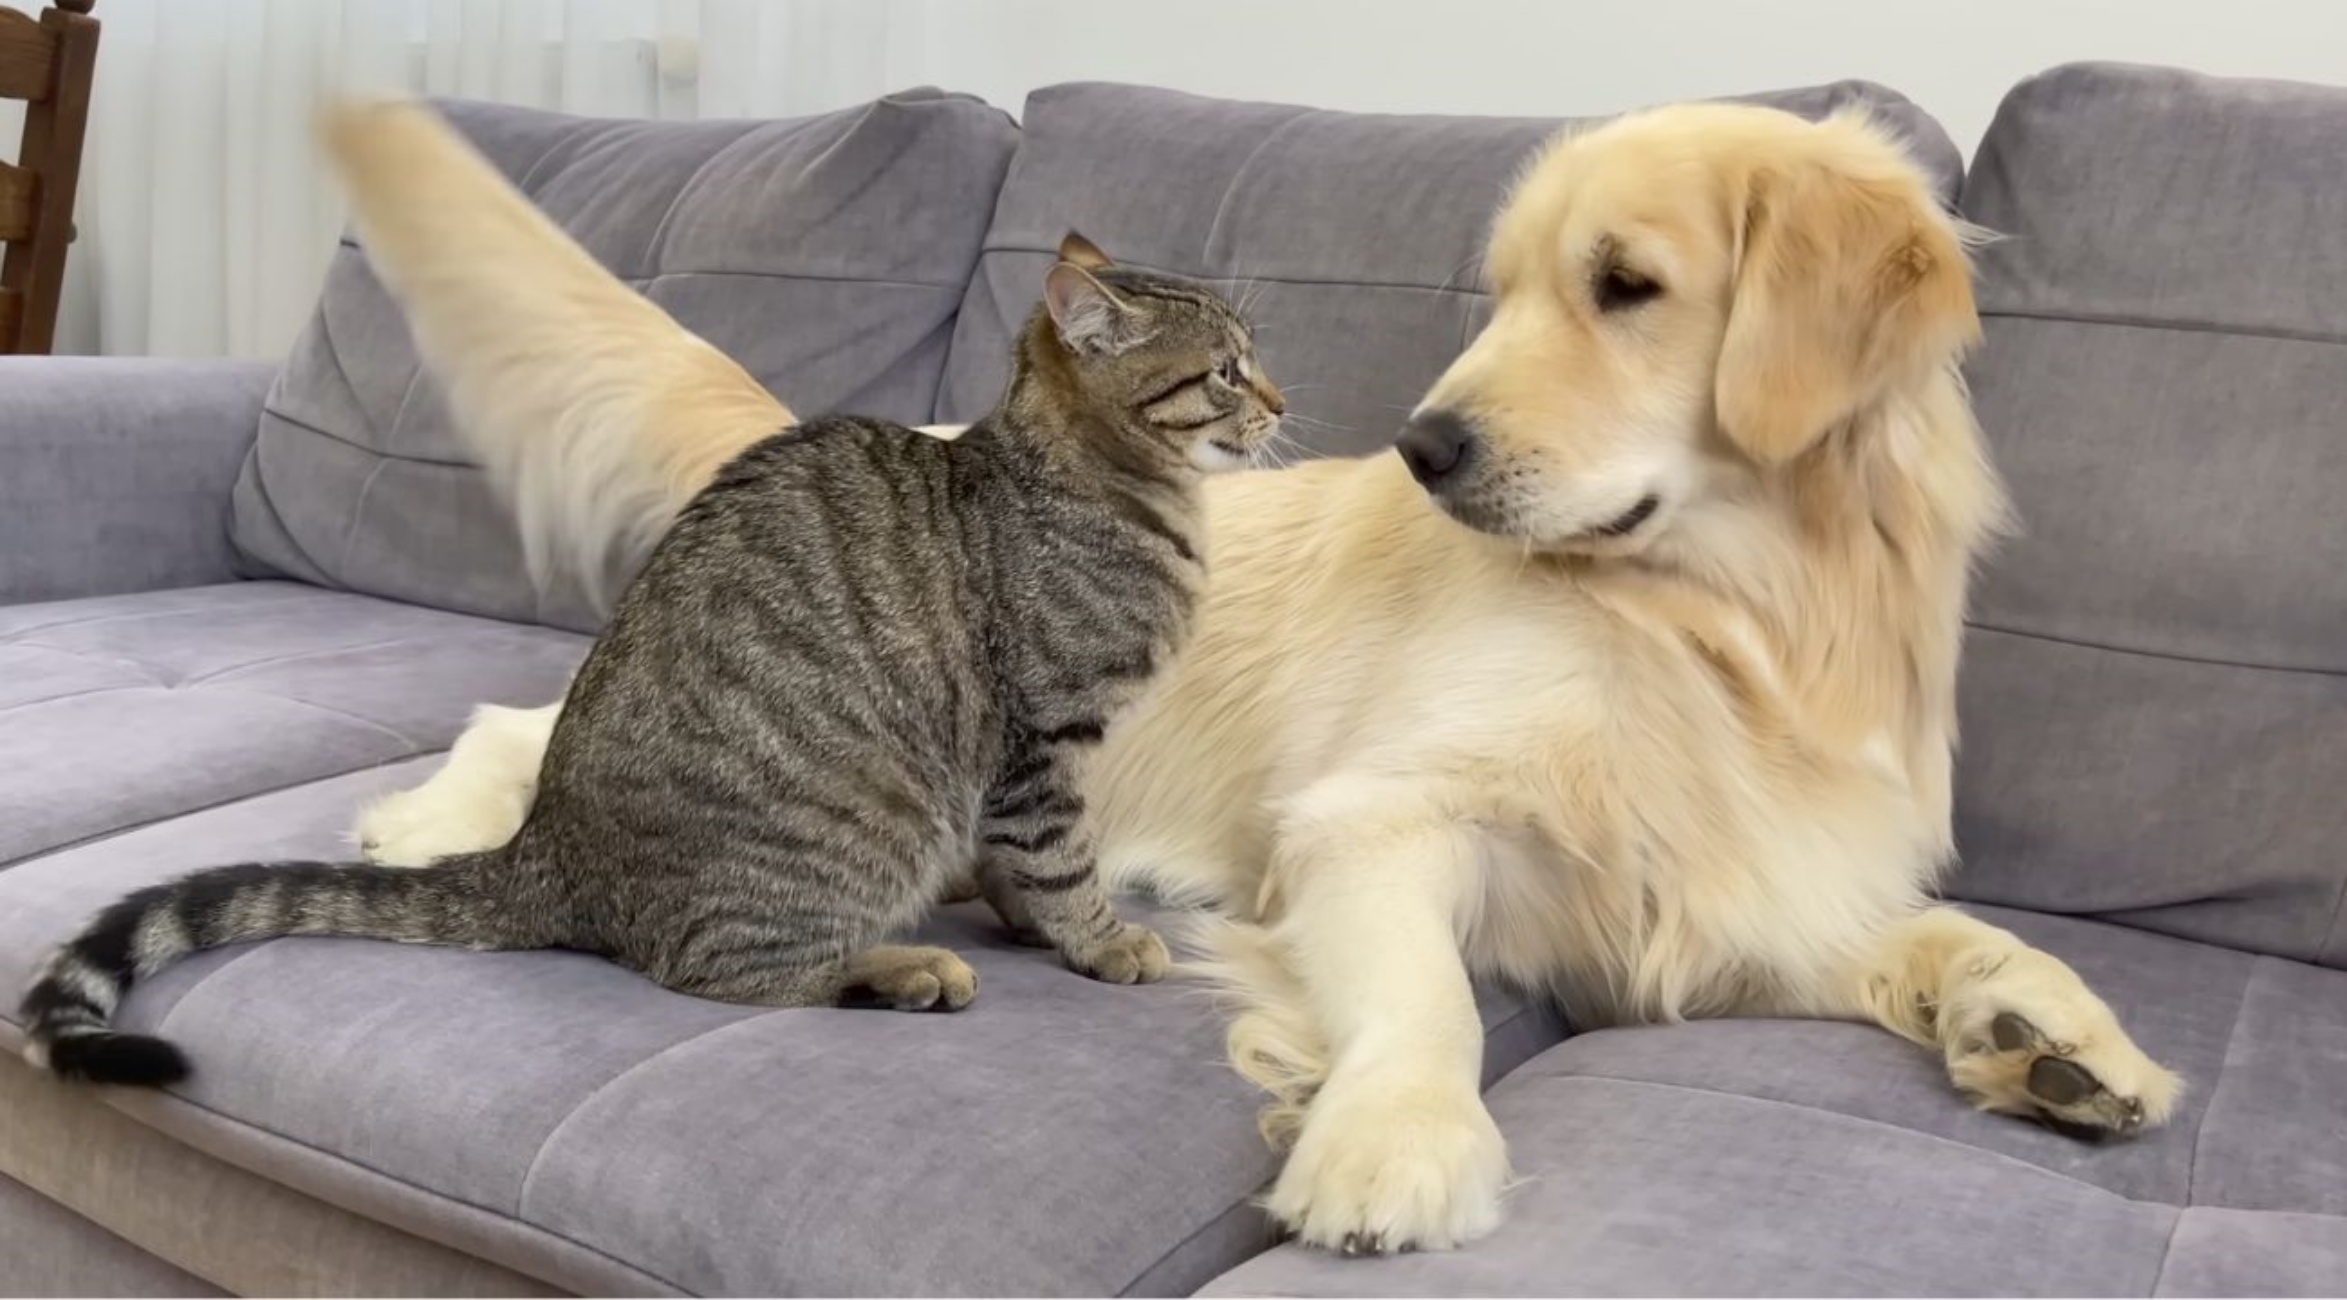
x=115, y=472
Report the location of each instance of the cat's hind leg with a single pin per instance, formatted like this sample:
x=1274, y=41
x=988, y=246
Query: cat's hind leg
x=901, y=977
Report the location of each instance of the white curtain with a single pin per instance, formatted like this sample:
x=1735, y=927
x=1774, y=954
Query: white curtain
x=205, y=216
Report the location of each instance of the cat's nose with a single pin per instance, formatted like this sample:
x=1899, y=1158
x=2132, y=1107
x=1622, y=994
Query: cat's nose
x=1272, y=397
x=1436, y=445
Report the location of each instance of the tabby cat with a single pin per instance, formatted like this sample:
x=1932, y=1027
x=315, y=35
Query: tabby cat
x=863, y=663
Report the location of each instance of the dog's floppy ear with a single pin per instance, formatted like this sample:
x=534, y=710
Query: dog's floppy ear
x=1850, y=281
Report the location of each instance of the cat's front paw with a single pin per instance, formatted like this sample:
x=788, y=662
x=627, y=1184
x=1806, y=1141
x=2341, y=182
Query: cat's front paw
x=1134, y=955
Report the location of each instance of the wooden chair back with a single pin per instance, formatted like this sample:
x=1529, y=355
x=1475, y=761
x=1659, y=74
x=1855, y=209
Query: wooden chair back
x=47, y=62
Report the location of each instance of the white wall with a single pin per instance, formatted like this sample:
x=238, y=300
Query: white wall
x=1568, y=57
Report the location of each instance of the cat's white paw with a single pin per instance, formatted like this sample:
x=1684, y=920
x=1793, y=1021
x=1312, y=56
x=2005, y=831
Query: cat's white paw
x=1392, y=1164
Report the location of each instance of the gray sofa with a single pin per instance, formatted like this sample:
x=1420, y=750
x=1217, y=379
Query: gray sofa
x=237, y=600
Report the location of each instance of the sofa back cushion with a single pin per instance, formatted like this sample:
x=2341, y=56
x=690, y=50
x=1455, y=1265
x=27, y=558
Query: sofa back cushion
x=1355, y=238
x=827, y=254
x=2155, y=690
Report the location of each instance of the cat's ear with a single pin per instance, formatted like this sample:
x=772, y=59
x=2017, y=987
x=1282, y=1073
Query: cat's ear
x=1090, y=317
x=1083, y=252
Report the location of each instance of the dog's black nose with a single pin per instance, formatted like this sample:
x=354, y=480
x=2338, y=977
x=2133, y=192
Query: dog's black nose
x=1436, y=444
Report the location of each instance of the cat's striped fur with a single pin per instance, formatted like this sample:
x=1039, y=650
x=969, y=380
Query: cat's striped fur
x=862, y=661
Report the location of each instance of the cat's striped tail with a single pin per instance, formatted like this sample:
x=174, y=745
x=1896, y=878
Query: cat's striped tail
x=68, y=1013
x=596, y=413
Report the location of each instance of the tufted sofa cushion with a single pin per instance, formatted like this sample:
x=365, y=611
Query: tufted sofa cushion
x=827, y=254
x=2155, y=686
x=122, y=710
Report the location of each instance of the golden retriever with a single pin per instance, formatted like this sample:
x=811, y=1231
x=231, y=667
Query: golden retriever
x=1630, y=680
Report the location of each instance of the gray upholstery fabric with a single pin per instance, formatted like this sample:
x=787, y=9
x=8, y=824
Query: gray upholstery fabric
x=152, y=1199
x=2155, y=716
x=827, y=254
x=114, y=472
x=567, y=1119
x=2231, y=1252
x=1354, y=236
x=48, y=1250
x=238, y=1230
x=121, y=710
x=1804, y=1158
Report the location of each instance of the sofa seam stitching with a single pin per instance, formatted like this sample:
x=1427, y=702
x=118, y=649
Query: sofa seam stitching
x=7, y=709
x=521, y=1198
x=415, y=380
x=2168, y=1250
x=415, y=1187
x=2180, y=327
x=809, y=277
x=2338, y=928
x=154, y=673
x=1935, y=1138
x=334, y=352
x=657, y=242
x=1274, y=280
x=358, y=514
x=639, y=282
x=1246, y=1202
x=331, y=436
x=296, y=656
x=116, y=832
x=2216, y=1091
x=411, y=742
x=2170, y=656
x=2200, y=1130
x=16, y=637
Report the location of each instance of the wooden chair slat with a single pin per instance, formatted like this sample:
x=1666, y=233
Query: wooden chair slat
x=17, y=188
x=28, y=57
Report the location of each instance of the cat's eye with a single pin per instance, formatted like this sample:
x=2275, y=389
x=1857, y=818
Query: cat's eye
x=1619, y=288
x=1233, y=372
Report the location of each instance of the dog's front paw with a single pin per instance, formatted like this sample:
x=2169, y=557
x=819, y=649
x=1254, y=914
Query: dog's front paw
x=1388, y=1166
x=2027, y=1037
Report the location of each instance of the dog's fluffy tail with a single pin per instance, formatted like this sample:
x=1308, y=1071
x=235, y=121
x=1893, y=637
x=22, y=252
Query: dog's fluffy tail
x=1274, y=1041
x=597, y=415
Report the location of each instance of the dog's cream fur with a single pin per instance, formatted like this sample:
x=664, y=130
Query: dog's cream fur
x=1698, y=770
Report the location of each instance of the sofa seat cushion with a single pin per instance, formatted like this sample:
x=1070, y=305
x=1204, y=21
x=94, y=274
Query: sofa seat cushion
x=122, y=710
x=572, y=1121
x=827, y=255
x=1813, y=1158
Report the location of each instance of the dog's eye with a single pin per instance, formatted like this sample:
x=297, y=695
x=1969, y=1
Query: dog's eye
x=1620, y=288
